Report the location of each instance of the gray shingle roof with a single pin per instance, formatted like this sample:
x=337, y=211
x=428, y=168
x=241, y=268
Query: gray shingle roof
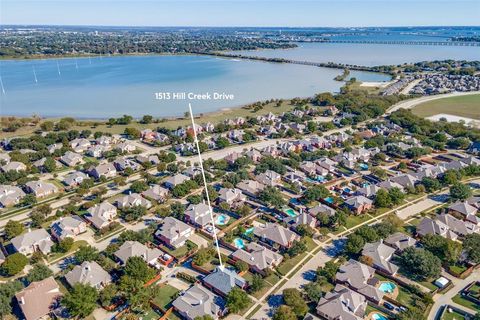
x=224, y=280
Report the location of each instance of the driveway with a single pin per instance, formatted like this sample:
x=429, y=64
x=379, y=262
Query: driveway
x=458, y=285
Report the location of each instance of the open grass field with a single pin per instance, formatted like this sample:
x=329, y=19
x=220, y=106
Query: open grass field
x=467, y=106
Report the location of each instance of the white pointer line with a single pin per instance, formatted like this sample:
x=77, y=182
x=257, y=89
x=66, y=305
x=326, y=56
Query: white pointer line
x=206, y=187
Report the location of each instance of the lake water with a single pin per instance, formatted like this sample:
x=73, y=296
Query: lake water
x=113, y=86
x=369, y=54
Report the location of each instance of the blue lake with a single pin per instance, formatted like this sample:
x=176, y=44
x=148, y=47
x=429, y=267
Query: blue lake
x=113, y=86
x=370, y=54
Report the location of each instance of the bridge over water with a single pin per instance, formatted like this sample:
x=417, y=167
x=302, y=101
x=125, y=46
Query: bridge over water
x=408, y=42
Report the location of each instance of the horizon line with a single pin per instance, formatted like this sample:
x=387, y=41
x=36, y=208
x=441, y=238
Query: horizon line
x=232, y=27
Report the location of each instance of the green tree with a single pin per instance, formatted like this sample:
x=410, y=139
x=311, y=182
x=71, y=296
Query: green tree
x=354, y=244
x=14, y=264
x=86, y=253
x=420, y=263
x=139, y=186
x=471, y=244
x=133, y=133
x=241, y=266
x=237, y=300
x=284, y=313
x=316, y=193
x=396, y=195
x=65, y=245
x=7, y=291
x=81, y=300
x=382, y=199
x=273, y=197
x=136, y=268
x=257, y=283
x=146, y=119
x=313, y=290
x=13, y=228
x=328, y=271
x=38, y=272
x=460, y=191
x=108, y=294
x=293, y=298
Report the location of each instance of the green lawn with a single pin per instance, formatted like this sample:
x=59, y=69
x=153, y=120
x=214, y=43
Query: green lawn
x=463, y=106
x=452, y=315
x=166, y=295
x=289, y=264
x=59, y=255
x=466, y=303
x=179, y=252
x=353, y=220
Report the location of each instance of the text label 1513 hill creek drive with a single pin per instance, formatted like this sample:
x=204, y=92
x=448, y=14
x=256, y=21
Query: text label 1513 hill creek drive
x=194, y=96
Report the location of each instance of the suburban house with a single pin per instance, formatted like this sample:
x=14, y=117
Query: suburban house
x=35, y=240
x=259, y=258
x=434, y=226
x=464, y=210
x=192, y=171
x=303, y=218
x=369, y=191
x=97, y=150
x=80, y=144
x=71, y=159
x=175, y=180
x=321, y=208
x=14, y=166
x=400, y=241
x=360, y=278
x=40, y=164
x=342, y=303
x=39, y=299
x=152, y=159
x=10, y=195
x=101, y=215
x=89, y=273
x=40, y=189
x=222, y=280
x=231, y=196
x=251, y=188
x=380, y=255
x=269, y=178
x=196, y=302
x=74, y=179
x=123, y=163
x=460, y=227
x=136, y=249
x=69, y=226
x=198, y=215
x=125, y=147
x=173, y=232
x=274, y=234
x=156, y=192
x=106, y=170
x=359, y=204
x=132, y=200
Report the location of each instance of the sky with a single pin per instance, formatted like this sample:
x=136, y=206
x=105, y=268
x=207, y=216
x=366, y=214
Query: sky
x=283, y=13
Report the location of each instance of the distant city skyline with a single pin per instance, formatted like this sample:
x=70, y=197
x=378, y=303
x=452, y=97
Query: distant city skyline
x=242, y=13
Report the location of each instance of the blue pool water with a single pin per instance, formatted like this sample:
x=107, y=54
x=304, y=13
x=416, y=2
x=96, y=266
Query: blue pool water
x=329, y=199
x=221, y=220
x=290, y=212
x=379, y=316
x=363, y=166
x=387, y=287
x=249, y=231
x=347, y=190
x=238, y=243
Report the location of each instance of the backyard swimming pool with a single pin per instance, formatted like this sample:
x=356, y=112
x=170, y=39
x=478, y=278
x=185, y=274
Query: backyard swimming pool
x=221, y=220
x=329, y=199
x=238, y=243
x=290, y=212
x=379, y=316
x=387, y=287
x=249, y=231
